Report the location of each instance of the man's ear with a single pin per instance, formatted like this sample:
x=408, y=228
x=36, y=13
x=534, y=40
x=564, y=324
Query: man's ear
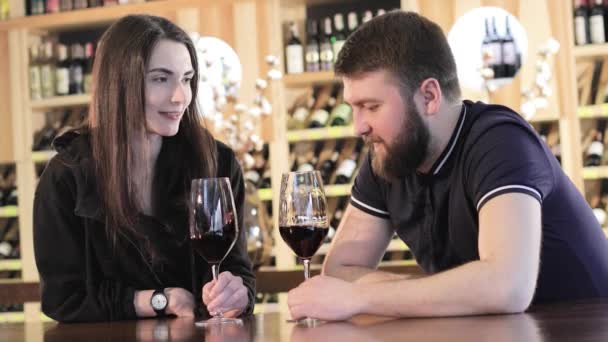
x=430, y=92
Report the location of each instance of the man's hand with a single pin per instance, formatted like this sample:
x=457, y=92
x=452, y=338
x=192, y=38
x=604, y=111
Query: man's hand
x=227, y=295
x=181, y=302
x=325, y=298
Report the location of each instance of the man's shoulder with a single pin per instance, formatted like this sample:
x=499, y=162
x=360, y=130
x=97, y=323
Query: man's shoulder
x=486, y=121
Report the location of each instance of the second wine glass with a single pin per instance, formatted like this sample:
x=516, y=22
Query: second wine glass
x=303, y=221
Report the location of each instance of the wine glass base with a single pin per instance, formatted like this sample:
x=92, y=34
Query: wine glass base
x=218, y=320
x=306, y=322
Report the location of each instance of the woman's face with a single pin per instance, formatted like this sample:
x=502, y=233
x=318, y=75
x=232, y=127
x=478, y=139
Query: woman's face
x=167, y=87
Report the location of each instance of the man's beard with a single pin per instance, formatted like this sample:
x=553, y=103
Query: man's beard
x=406, y=152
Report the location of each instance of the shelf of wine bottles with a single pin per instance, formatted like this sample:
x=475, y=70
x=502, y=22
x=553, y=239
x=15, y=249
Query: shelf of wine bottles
x=549, y=133
x=10, y=265
x=590, y=29
x=591, y=51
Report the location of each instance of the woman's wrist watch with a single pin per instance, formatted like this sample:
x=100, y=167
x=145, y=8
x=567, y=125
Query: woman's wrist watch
x=159, y=302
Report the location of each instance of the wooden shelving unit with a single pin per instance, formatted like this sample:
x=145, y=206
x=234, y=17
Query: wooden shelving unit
x=591, y=112
x=321, y=133
x=309, y=78
x=590, y=51
x=597, y=172
x=42, y=156
x=10, y=265
x=61, y=102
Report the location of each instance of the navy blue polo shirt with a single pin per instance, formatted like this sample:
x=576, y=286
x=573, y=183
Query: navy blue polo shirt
x=492, y=151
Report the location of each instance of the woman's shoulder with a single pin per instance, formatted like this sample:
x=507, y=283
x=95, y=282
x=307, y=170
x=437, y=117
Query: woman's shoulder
x=224, y=151
x=73, y=145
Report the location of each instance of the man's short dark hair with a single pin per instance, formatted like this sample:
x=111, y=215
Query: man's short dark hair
x=411, y=47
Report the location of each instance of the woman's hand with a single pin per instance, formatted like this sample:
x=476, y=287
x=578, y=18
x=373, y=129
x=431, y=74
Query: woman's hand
x=227, y=295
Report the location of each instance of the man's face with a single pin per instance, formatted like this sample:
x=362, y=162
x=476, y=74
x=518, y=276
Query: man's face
x=392, y=127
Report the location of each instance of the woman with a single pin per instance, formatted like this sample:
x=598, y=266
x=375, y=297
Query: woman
x=110, y=211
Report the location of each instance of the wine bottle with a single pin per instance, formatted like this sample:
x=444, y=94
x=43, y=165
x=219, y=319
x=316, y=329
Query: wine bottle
x=596, y=23
x=34, y=73
x=380, y=12
x=334, y=223
x=595, y=152
x=7, y=245
x=509, y=52
x=294, y=52
x=496, y=45
x=328, y=166
x=312, y=47
x=348, y=166
x=47, y=70
x=66, y=5
x=80, y=4
x=341, y=114
x=599, y=203
x=581, y=23
x=339, y=38
x=320, y=116
x=62, y=71
x=76, y=68
x=352, y=22
x=311, y=159
x=326, y=53
x=367, y=16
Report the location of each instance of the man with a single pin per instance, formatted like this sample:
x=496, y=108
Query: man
x=472, y=190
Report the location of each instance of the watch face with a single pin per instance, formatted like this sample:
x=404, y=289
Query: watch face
x=159, y=301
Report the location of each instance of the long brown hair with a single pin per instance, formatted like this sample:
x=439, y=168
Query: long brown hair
x=411, y=47
x=117, y=123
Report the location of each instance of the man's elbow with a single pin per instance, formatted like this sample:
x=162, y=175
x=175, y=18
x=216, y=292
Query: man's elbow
x=515, y=299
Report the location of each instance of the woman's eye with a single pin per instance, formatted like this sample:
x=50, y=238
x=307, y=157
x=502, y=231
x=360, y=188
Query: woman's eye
x=187, y=80
x=159, y=79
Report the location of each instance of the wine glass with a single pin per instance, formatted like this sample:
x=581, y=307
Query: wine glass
x=303, y=222
x=213, y=228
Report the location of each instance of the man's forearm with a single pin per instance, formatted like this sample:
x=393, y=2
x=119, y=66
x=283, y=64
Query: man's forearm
x=363, y=275
x=473, y=288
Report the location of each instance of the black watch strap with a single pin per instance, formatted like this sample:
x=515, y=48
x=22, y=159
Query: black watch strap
x=160, y=312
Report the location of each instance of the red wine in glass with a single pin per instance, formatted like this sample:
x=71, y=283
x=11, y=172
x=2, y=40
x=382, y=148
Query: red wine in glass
x=213, y=228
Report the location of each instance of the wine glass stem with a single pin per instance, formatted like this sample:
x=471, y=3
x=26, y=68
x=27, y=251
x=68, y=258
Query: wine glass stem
x=306, y=269
x=215, y=270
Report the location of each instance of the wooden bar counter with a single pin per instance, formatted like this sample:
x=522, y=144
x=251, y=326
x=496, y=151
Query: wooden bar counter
x=575, y=321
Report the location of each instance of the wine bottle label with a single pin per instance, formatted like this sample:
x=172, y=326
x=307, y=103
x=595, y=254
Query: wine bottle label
x=306, y=167
x=312, y=54
x=35, y=90
x=342, y=111
x=597, y=29
x=496, y=49
x=5, y=249
x=252, y=176
x=46, y=81
x=596, y=148
x=320, y=117
x=600, y=215
x=300, y=114
x=62, y=79
x=508, y=53
x=76, y=75
x=347, y=168
x=580, y=31
x=295, y=62
x=337, y=46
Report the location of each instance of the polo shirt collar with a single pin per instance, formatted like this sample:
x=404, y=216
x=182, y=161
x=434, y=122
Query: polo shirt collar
x=447, y=152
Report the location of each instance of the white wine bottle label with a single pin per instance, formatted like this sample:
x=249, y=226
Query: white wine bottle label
x=312, y=54
x=35, y=84
x=295, y=59
x=508, y=53
x=5, y=249
x=580, y=31
x=600, y=215
x=62, y=79
x=496, y=53
x=300, y=114
x=47, y=81
x=342, y=111
x=320, y=116
x=597, y=29
x=596, y=148
x=347, y=168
